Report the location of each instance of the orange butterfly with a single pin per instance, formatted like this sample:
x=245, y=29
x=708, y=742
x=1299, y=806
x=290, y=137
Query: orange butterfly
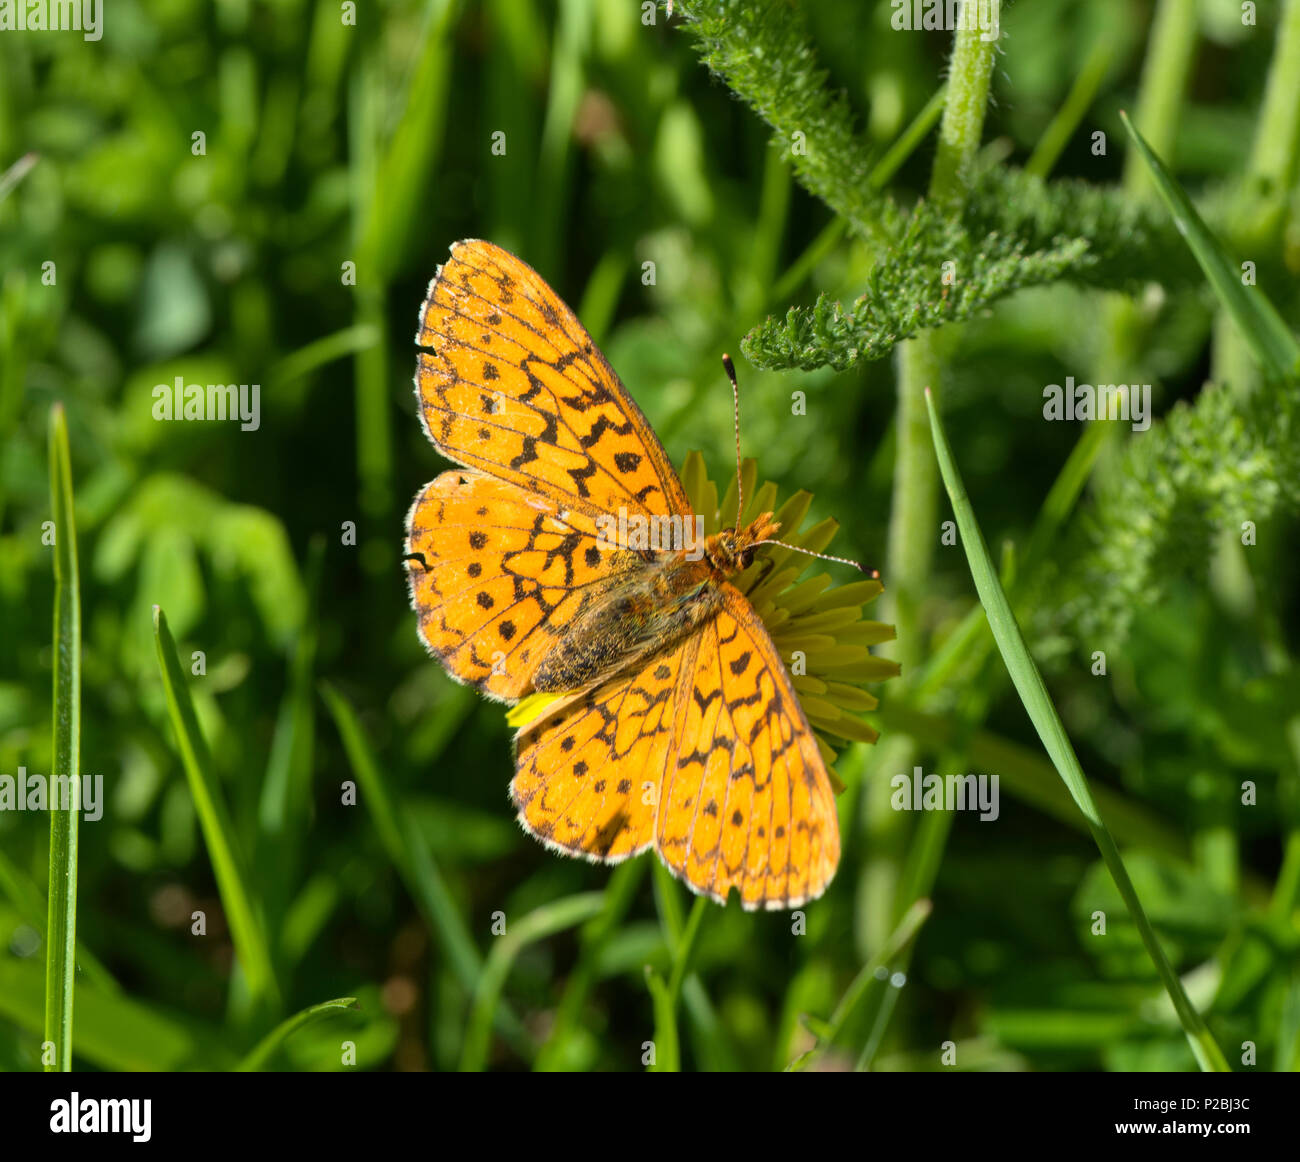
x=676, y=725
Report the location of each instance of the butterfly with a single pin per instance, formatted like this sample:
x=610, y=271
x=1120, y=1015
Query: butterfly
x=673, y=723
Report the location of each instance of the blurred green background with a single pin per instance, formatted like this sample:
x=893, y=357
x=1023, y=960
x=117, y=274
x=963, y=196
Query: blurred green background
x=224, y=259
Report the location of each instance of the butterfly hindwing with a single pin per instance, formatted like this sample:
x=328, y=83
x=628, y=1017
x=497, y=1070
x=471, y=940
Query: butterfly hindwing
x=588, y=775
x=711, y=733
x=747, y=802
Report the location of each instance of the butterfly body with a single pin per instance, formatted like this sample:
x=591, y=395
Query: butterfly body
x=659, y=605
x=676, y=726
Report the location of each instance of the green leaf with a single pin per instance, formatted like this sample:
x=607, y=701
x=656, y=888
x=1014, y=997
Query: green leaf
x=1208, y=466
x=949, y=263
x=113, y=1031
x=766, y=56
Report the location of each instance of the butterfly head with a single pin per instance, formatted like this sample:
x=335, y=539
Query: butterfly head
x=732, y=550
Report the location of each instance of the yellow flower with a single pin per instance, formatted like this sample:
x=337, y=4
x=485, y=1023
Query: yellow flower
x=817, y=626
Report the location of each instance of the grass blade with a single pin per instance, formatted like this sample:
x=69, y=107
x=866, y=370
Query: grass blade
x=537, y=925
x=667, y=995
x=407, y=851
x=61, y=922
x=624, y=881
x=1269, y=338
x=1047, y=722
x=285, y=1029
x=287, y=785
x=889, y=952
x=320, y=352
x=410, y=855
x=16, y=172
x=668, y=1054
x=1077, y=103
x=25, y=895
x=214, y=820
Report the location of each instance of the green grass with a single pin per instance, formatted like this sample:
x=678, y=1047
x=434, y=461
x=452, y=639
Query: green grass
x=539, y=924
x=666, y=994
x=410, y=854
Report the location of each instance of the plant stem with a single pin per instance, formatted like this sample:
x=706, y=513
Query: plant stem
x=912, y=528
x=665, y=995
x=962, y=126
x=1277, y=136
x=1259, y=214
x=912, y=520
x=1160, y=96
x=682, y=954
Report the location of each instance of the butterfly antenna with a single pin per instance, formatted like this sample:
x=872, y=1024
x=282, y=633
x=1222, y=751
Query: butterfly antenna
x=735, y=396
x=740, y=486
x=874, y=574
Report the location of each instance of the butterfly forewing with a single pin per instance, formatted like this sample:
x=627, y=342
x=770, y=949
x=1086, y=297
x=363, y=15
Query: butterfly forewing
x=513, y=385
